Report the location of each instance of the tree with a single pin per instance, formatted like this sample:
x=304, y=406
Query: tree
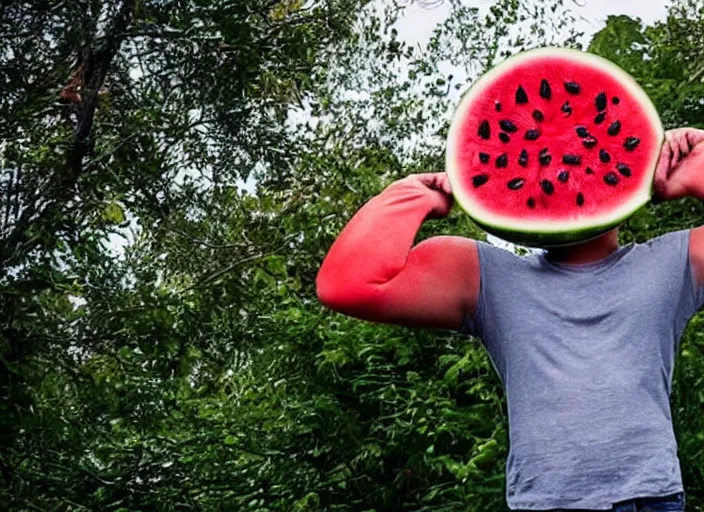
x=162, y=347
x=119, y=112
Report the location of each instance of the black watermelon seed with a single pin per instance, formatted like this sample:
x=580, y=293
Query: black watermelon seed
x=580, y=199
x=508, y=126
x=611, y=179
x=600, y=118
x=545, y=91
x=479, y=180
x=538, y=116
x=563, y=176
x=589, y=170
x=615, y=100
x=631, y=143
x=623, y=169
x=572, y=87
x=484, y=157
x=614, y=128
x=484, y=130
x=589, y=142
x=604, y=156
x=547, y=187
x=532, y=135
x=521, y=96
x=566, y=109
x=516, y=183
x=497, y=106
x=502, y=161
x=582, y=131
x=571, y=159
x=504, y=137
x=600, y=101
x=523, y=158
x=544, y=157
x=531, y=202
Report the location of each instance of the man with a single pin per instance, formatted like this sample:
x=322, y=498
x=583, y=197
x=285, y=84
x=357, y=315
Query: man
x=584, y=338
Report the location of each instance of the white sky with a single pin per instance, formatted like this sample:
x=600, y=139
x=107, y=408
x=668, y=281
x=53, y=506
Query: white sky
x=418, y=22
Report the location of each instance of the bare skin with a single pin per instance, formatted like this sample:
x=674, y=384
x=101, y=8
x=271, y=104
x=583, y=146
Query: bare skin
x=587, y=252
x=375, y=272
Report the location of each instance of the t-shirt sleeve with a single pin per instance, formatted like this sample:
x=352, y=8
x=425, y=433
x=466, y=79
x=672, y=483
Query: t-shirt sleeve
x=491, y=260
x=671, y=252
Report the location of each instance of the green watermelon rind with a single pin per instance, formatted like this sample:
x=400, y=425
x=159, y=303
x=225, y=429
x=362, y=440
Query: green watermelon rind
x=550, y=239
x=570, y=232
x=555, y=239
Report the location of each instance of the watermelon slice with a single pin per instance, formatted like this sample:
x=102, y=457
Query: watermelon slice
x=553, y=147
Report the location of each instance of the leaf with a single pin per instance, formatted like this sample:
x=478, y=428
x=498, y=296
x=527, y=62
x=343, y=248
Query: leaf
x=113, y=213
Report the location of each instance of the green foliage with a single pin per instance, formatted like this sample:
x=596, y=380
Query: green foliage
x=161, y=344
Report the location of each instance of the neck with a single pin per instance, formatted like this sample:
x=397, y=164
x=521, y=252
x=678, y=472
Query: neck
x=586, y=252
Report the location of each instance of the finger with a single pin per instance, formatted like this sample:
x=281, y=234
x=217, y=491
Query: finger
x=437, y=181
x=694, y=137
x=683, y=145
x=662, y=169
x=667, y=147
x=674, y=152
x=444, y=181
x=429, y=179
x=421, y=180
x=442, y=205
x=449, y=202
x=665, y=160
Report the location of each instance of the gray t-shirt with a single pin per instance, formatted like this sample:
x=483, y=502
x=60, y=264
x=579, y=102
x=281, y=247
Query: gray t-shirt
x=586, y=354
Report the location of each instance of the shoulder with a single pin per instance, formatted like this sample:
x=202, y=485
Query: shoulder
x=446, y=255
x=674, y=254
x=447, y=246
x=675, y=243
x=664, y=254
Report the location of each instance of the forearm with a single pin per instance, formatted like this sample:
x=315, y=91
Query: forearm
x=374, y=246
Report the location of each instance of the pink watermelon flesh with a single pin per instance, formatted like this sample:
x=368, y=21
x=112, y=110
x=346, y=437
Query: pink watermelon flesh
x=552, y=146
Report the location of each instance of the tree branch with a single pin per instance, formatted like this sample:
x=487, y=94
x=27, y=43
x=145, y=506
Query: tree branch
x=203, y=243
x=209, y=279
x=21, y=242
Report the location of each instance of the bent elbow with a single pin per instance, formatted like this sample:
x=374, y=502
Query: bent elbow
x=330, y=290
x=327, y=292
x=342, y=296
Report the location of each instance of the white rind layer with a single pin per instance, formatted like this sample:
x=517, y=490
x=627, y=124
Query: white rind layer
x=511, y=223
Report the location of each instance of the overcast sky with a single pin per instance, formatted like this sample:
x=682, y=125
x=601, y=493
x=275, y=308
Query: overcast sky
x=418, y=22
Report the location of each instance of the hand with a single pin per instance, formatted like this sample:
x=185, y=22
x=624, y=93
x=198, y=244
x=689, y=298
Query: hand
x=680, y=171
x=436, y=186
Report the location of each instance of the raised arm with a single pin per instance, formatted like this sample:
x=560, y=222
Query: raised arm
x=681, y=173
x=374, y=272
